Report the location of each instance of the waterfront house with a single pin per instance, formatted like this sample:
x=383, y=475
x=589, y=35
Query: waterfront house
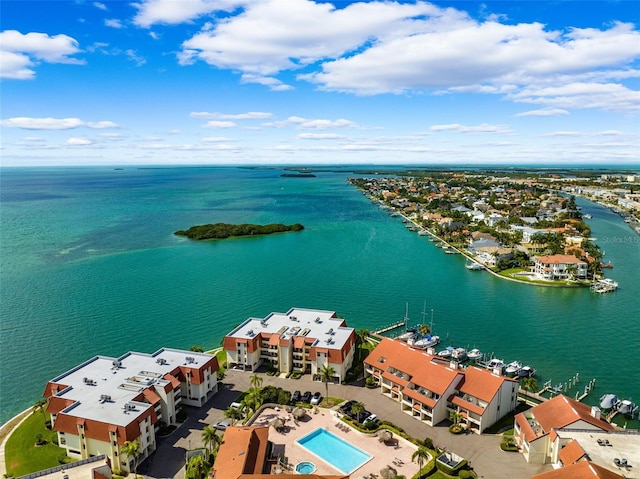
x=559, y=267
x=303, y=340
x=428, y=388
x=534, y=429
x=580, y=470
x=103, y=403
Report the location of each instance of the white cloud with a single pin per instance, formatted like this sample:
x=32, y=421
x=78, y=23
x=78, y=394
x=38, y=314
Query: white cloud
x=100, y=6
x=411, y=48
x=102, y=124
x=274, y=35
x=215, y=139
x=273, y=83
x=320, y=136
x=16, y=66
x=251, y=115
x=610, y=96
x=135, y=58
x=54, y=49
x=73, y=141
x=219, y=124
x=316, y=124
x=27, y=123
x=42, y=123
x=113, y=23
x=172, y=12
x=483, y=128
x=544, y=112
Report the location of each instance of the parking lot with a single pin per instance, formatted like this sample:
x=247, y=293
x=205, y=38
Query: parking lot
x=482, y=452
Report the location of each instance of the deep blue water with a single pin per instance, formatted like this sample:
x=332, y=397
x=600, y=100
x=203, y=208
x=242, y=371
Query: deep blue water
x=89, y=265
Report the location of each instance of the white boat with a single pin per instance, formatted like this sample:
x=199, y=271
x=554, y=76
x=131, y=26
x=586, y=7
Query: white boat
x=604, y=286
x=609, y=401
x=446, y=353
x=427, y=341
x=408, y=335
x=627, y=408
x=459, y=354
x=526, y=372
x=474, y=354
x=495, y=364
x=473, y=266
x=513, y=368
x=587, y=216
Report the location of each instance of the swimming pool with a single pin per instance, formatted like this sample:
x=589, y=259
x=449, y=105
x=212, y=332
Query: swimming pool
x=334, y=451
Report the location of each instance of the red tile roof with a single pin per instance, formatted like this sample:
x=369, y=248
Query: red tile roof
x=482, y=383
x=579, y=470
x=571, y=453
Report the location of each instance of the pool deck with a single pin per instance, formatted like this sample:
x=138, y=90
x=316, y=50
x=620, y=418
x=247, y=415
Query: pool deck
x=383, y=454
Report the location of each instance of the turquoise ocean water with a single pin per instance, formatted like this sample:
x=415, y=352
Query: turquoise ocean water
x=89, y=265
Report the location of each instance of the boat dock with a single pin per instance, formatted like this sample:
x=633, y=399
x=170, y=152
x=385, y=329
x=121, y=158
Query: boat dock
x=391, y=327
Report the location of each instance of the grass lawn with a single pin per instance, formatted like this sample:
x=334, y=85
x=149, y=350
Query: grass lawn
x=21, y=453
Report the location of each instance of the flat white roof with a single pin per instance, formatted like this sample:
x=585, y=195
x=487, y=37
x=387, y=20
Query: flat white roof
x=102, y=386
x=311, y=323
x=623, y=444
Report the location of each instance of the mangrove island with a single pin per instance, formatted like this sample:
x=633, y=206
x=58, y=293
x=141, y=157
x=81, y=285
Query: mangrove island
x=226, y=230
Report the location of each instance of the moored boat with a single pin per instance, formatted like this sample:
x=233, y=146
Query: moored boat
x=526, y=372
x=609, y=401
x=459, y=354
x=409, y=334
x=446, y=352
x=495, y=364
x=473, y=266
x=427, y=341
x=474, y=354
x=513, y=368
x=627, y=408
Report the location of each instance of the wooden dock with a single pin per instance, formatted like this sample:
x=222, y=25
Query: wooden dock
x=391, y=327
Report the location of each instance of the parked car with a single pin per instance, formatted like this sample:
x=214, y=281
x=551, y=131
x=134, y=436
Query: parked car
x=346, y=407
x=316, y=398
x=306, y=397
x=372, y=418
x=362, y=416
x=221, y=425
x=295, y=397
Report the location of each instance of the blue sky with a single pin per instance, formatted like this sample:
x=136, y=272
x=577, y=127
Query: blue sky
x=316, y=82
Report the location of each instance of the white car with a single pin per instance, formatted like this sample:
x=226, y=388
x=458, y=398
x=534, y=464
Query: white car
x=372, y=418
x=316, y=399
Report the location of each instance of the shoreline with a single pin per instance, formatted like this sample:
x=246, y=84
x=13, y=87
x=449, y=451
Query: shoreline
x=485, y=267
x=6, y=430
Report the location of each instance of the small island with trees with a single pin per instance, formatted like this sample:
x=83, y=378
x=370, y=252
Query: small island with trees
x=226, y=230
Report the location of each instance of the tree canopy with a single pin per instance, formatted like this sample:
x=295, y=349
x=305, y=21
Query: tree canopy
x=226, y=230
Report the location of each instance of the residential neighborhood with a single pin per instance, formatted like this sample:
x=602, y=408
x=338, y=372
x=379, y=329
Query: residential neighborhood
x=525, y=229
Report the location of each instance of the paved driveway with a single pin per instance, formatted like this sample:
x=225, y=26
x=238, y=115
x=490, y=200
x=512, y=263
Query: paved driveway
x=482, y=452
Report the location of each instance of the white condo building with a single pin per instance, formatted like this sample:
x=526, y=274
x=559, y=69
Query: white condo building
x=302, y=340
x=105, y=402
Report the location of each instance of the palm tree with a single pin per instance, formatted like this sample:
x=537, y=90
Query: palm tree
x=423, y=329
x=131, y=449
x=210, y=438
x=253, y=400
x=455, y=417
x=326, y=375
x=40, y=405
x=422, y=455
x=530, y=384
x=233, y=414
x=361, y=338
x=357, y=409
x=196, y=467
x=256, y=380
